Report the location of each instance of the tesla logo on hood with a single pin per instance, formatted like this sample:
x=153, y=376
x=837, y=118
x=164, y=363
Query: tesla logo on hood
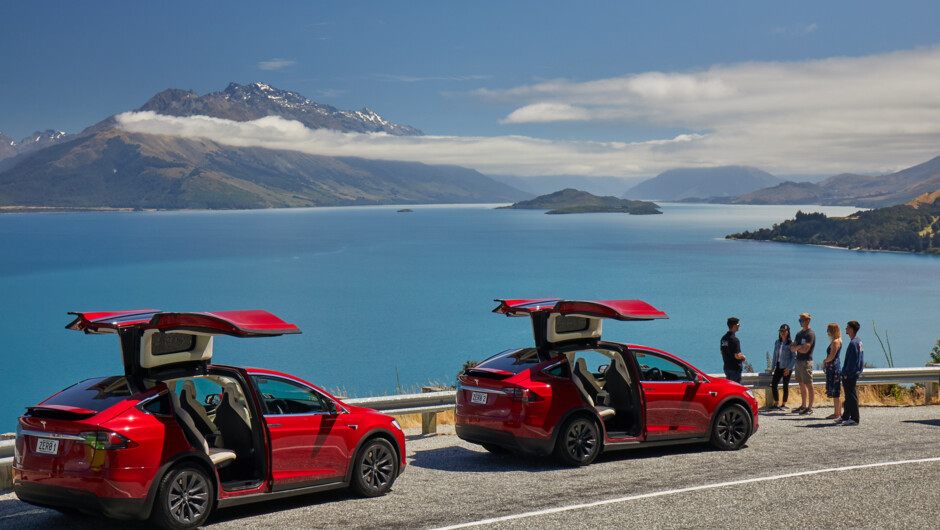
x=43, y=423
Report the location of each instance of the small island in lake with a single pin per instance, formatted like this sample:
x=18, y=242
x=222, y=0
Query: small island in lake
x=911, y=227
x=575, y=201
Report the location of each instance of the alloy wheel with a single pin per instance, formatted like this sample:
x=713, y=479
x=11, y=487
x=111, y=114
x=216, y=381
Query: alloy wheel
x=731, y=428
x=377, y=467
x=188, y=497
x=581, y=440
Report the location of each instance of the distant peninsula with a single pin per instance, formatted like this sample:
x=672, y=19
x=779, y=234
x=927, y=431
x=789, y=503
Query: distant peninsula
x=911, y=227
x=575, y=201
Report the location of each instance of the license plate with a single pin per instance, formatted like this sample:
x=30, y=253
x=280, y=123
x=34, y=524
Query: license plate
x=478, y=397
x=47, y=446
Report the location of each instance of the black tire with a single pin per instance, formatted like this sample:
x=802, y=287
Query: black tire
x=184, y=499
x=496, y=449
x=374, y=468
x=579, y=441
x=731, y=428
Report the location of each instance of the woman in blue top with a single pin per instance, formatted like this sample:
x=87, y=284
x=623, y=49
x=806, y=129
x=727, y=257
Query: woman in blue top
x=833, y=370
x=783, y=362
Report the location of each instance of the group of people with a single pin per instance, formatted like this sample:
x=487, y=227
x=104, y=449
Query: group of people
x=796, y=356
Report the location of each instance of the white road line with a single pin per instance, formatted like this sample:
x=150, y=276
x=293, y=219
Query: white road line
x=683, y=490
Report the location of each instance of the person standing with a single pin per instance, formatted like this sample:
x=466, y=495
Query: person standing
x=851, y=369
x=731, y=352
x=803, y=346
x=833, y=370
x=782, y=364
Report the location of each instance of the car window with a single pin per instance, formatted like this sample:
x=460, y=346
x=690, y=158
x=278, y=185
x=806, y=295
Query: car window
x=280, y=396
x=512, y=361
x=655, y=367
x=94, y=394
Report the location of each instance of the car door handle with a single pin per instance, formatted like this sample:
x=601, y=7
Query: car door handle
x=353, y=427
x=712, y=393
x=649, y=390
x=274, y=425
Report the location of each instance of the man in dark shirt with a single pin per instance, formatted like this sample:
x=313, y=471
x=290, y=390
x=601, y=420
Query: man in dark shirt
x=803, y=345
x=851, y=369
x=731, y=351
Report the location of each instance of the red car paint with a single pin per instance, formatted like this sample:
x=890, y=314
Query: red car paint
x=528, y=399
x=106, y=444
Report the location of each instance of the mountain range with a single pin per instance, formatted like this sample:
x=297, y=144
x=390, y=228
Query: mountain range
x=107, y=166
x=850, y=189
x=700, y=183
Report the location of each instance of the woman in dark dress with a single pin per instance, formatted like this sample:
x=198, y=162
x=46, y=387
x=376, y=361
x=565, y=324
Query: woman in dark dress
x=833, y=368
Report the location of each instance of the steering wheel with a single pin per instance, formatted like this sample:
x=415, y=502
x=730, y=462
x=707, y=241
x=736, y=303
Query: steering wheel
x=212, y=402
x=274, y=405
x=654, y=374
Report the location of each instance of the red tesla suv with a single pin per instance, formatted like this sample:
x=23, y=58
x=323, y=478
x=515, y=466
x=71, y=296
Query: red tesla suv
x=574, y=395
x=175, y=437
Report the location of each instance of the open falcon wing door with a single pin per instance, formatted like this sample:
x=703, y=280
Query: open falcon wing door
x=557, y=323
x=155, y=342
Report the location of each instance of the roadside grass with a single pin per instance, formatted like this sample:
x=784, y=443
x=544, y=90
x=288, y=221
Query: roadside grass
x=413, y=421
x=868, y=396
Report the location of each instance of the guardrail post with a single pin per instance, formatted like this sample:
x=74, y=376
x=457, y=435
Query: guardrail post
x=930, y=392
x=429, y=419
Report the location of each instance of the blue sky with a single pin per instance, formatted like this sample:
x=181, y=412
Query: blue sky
x=531, y=88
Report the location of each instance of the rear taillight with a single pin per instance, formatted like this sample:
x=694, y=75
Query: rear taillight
x=520, y=394
x=106, y=440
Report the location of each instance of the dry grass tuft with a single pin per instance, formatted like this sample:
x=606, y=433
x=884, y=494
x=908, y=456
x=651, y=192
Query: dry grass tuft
x=410, y=421
x=868, y=396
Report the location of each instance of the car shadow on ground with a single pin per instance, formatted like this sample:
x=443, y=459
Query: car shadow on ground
x=932, y=423
x=280, y=505
x=457, y=458
x=15, y=513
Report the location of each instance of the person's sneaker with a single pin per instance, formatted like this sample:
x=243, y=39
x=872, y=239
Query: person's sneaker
x=839, y=421
x=849, y=423
x=806, y=411
x=799, y=410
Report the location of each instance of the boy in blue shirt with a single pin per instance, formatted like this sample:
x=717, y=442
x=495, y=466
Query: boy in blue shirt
x=851, y=369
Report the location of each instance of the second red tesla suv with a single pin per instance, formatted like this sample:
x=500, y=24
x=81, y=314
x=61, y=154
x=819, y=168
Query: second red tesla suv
x=175, y=437
x=574, y=395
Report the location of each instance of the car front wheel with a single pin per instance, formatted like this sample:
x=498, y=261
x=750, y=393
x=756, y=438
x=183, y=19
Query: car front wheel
x=731, y=428
x=375, y=468
x=184, y=498
x=578, y=441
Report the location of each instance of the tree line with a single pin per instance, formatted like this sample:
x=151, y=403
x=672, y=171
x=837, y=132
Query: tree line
x=898, y=228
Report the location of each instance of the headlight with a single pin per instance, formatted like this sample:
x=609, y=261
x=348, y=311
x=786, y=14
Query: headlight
x=396, y=424
x=750, y=393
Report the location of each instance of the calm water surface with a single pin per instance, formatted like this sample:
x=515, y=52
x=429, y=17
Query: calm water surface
x=374, y=290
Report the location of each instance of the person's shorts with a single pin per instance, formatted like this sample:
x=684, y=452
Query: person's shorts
x=804, y=372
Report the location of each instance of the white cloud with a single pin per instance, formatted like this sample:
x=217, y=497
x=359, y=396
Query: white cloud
x=865, y=114
x=276, y=64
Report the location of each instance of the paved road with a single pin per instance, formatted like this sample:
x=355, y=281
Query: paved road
x=795, y=472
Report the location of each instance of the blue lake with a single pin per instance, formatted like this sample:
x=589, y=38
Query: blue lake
x=375, y=290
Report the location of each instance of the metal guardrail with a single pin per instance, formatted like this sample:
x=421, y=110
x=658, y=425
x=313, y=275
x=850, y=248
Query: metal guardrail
x=428, y=404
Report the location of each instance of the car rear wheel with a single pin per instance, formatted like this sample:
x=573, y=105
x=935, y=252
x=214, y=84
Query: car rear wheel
x=578, y=441
x=731, y=428
x=375, y=468
x=184, y=498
